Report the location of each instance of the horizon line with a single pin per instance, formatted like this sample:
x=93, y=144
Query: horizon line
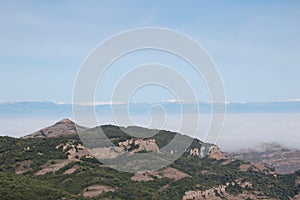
x=169, y=101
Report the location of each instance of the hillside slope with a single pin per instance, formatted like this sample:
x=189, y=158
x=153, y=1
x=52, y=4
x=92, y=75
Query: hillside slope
x=284, y=160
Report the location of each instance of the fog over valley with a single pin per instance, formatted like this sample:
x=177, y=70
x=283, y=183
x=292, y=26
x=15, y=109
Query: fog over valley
x=241, y=129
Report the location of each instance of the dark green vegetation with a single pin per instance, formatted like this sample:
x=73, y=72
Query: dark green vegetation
x=206, y=173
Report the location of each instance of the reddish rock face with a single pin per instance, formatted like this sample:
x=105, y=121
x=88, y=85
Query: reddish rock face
x=63, y=127
x=216, y=153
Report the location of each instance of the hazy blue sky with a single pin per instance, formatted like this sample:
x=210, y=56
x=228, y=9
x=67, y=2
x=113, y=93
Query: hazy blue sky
x=255, y=44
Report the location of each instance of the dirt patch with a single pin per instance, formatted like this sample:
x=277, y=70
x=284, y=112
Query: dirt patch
x=53, y=166
x=206, y=172
x=260, y=166
x=23, y=166
x=263, y=167
x=96, y=190
x=228, y=161
x=245, y=167
x=72, y=170
x=168, y=172
x=142, y=176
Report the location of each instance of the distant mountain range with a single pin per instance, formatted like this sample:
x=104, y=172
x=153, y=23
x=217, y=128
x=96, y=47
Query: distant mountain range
x=50, y=108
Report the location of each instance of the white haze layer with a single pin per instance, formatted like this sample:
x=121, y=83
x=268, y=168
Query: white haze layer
x=240, y=130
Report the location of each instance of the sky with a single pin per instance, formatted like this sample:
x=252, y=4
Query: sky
x=254, y=44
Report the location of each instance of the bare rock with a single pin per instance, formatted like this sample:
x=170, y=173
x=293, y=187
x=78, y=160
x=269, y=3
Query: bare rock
x=96, y=190
x=215, y=153
x=169, y=172
x=138, y=145
x=63, y=127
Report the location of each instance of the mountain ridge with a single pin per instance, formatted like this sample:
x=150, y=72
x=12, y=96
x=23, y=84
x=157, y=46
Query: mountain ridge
x=60, y=167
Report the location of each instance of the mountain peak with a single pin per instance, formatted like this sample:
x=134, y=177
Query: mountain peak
x=62, y=127
x=65, y=121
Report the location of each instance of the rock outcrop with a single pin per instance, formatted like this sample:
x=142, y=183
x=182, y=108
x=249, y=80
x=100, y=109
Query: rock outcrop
x=213, y=193
x=63, y=127
x=211, y=151
x=215, y=153
x=74, y=151
x=138, y=145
